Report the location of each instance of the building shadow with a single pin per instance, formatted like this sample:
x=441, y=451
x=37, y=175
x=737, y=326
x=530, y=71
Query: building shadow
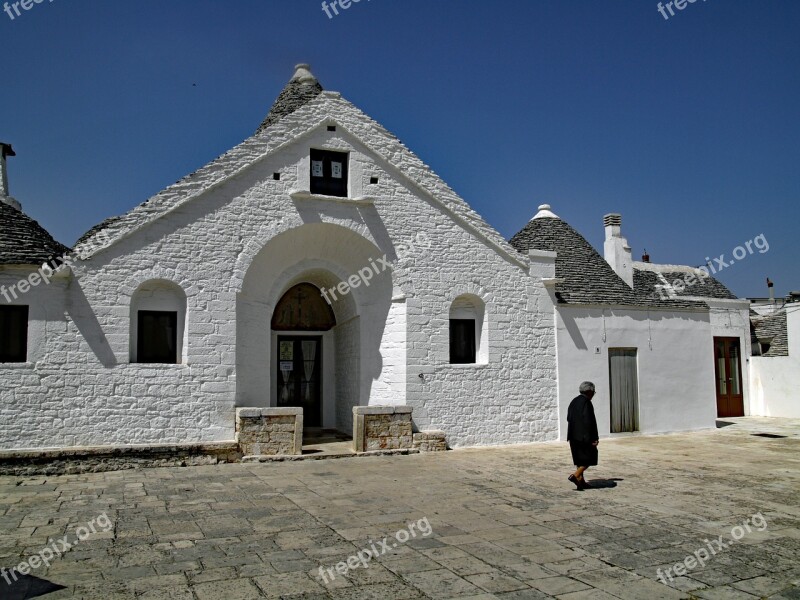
x=24, y=586
x=85, y=320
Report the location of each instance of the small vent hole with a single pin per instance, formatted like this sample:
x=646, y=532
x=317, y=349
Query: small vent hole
x=276, y=176
x=373, y=180
x=331, y=127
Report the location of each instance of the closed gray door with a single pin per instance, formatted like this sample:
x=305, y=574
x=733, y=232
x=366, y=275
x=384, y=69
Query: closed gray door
x=624, y=390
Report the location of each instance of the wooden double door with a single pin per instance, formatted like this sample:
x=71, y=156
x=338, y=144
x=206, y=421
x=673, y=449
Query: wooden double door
x=300, y=376
x=728, y=374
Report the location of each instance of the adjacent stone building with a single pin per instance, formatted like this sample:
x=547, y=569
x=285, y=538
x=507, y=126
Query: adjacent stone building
x=775, y=364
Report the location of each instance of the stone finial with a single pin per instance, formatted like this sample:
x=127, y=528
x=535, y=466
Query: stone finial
x=303, y=74
x=545, y=213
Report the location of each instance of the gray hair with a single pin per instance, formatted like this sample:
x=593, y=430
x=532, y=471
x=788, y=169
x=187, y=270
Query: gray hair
x=586, y=386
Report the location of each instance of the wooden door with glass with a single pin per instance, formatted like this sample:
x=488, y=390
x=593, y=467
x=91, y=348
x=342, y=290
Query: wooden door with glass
x=300, y=376
x=728, y=374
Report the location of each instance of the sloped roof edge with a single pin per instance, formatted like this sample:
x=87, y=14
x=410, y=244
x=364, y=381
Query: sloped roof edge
x=24, y=241
x=327, y=107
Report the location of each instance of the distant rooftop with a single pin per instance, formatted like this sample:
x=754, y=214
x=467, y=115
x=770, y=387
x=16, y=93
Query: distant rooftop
x=588, y=278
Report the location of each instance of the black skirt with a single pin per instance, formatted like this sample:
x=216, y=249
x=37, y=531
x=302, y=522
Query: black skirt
x=584, y=454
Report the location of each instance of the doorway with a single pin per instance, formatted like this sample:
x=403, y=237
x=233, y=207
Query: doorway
x=728, y=377
x=299, y=368
x=624, y=383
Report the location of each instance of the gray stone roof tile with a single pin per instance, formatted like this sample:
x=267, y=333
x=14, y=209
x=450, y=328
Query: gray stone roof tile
x=302, y=88
x=588, y=278
x=772, y=328
x=702, y=287
x=23, y=241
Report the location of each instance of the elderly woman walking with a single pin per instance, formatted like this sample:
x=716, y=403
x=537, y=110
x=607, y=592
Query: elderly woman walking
x=582, y=433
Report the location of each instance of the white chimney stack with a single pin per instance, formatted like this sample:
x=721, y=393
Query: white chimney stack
x=5, y=151
x=616, y=250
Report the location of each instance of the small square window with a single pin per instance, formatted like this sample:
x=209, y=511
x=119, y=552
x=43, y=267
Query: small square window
x=329, y=173
x=276, y=176
x=331, y=127
x=157, y=337
x=373, y=180
x=13, y=334
x=462, y=341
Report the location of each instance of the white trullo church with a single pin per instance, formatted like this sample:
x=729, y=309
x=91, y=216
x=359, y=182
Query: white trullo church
x=321, y=265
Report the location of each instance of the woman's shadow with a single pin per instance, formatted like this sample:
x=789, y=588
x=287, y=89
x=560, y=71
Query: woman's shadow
x=604, y=483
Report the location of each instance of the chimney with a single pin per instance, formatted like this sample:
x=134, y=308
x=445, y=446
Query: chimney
x=771, y=287
x=616, y=250
x=5, y=151
x=645, y=256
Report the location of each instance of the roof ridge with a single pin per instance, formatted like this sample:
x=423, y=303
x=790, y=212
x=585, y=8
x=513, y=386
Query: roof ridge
x=286, y=130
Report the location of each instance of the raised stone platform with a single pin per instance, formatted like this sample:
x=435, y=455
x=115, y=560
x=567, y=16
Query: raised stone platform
x=269, y=431
x=382, y=428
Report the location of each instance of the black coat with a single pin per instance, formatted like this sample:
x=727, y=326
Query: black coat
x=582, y=431
x=581, y=423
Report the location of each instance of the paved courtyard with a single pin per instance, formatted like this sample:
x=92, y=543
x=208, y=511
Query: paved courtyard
x=504, y=523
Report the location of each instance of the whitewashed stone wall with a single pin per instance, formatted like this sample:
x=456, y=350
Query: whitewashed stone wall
x=675, y=364
x=233, y=239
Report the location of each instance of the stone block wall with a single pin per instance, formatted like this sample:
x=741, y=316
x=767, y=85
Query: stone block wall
x=430, y=441
x=382, y=428
x=269, y=431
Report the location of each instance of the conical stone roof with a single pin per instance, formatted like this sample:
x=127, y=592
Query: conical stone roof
x=588, y=278
x=302, y=88
x=23, y=241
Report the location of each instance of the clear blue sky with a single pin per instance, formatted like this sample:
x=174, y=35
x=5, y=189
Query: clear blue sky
x=689, y=127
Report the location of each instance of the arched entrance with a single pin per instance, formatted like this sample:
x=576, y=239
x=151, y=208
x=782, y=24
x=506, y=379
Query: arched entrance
x=300, y=318
x=362, y=345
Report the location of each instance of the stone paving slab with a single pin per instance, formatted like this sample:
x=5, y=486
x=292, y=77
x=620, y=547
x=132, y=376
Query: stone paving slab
x=501, y=523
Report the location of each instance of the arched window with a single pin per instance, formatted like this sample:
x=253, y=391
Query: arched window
x=302, y=308
x=468, y=339
x=158, y=321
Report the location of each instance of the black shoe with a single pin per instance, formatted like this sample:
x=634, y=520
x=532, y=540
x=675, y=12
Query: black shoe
x=574, y=480
x=584, y=485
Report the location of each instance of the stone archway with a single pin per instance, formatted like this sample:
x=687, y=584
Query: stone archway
x=355, y=349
